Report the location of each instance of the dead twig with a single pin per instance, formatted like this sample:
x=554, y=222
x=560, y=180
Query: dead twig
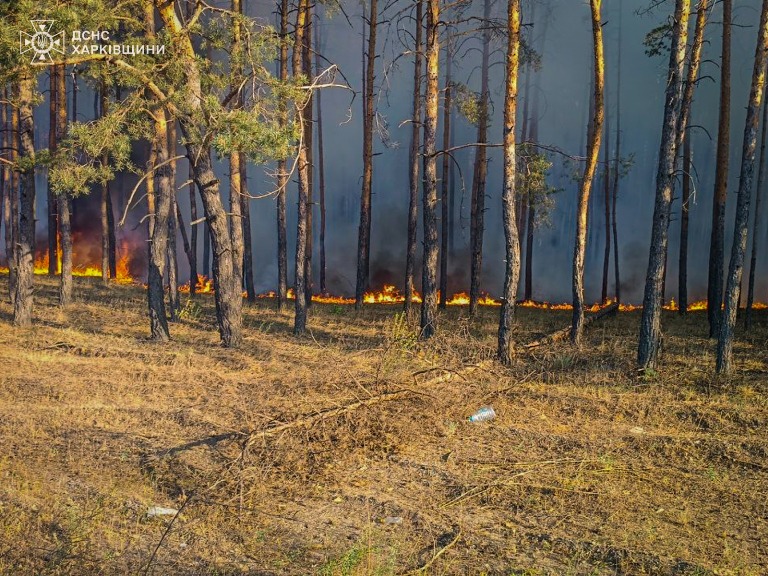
x=436, y=556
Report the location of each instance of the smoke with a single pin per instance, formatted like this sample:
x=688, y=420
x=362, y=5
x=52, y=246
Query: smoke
x=564, y=85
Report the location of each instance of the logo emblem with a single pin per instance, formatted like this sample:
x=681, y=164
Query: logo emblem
x=42, y=43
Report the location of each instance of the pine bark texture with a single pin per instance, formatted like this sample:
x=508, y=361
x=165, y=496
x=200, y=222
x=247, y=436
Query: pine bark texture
x=512, y=245
x=429, y=198
x=53, y=255
x=364, y=231
x=577, y=325
x=756, y=225
x=480, y=171
x=414, y=160
x=650, y=324
x=158, y=244
x=445, y=175
x=227, y=295
x=746, y=177
x=300, y=301
x=23, y=304
x=717, y=237
x=282, y=176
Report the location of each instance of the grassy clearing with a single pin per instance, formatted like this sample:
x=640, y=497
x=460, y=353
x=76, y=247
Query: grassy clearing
x=587, y=469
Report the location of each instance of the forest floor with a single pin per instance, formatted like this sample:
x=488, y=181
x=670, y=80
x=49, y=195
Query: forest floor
x=588, y=468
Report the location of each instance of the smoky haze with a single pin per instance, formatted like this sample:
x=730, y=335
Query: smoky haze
x=562, y=87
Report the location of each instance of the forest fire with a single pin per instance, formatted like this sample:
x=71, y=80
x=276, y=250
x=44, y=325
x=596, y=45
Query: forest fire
x=123, y=274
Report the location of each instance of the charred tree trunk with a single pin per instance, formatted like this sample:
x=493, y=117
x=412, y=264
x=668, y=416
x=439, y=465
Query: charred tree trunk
x=300, y=302
x=685, y=208
x=477, y=211
x=512, y=266
x=53, y=244
x=364, y=233
x=746, y=176
x=445, y=174
x=756, y=225
x=589, y=172
x=429, y=265
x=413, y=160
x=158, y=244
x=282, y=176
x=650, y=326
x=25, y=245
x=717, y=238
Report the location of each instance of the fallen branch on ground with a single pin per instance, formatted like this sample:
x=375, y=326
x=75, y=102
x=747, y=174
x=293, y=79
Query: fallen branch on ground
x=563, y=333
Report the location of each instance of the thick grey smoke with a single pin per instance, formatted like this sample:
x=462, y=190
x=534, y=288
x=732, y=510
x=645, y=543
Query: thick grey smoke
x=563, y=92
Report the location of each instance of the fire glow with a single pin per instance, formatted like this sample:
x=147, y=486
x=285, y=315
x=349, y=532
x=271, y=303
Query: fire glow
x=389, y=294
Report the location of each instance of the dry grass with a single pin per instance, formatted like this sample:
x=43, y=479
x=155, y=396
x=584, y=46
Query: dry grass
x=587, y=469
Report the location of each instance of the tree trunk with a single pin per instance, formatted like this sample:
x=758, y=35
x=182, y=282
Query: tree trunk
x=445, y=173
x=530, y=225
x=364, y=233
x=300, y=295
x=512, y=252
x=104, y=196
x=685, y=208
x=64, y=204
x=245, y=210
x=53, y=244
x=65, y=229
x=25, y=245
x=206, y=246
x=174, y=303
x=429, y=265
x=158, y=244
x=717, y=238
x=617, y=169
x=16, y=177
x=282, y=176
x=306, y=49
x=607, y=194
x=477, y=211
x=228, y=296
x=235, y=220
x=111, y=233
x=746, y=176
x=235, y=173
x=650, y=327
x=589, y=172
x=192, y=253
x=8, y=191
x=321, y=166
x=413, y=160
x=756, y=225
